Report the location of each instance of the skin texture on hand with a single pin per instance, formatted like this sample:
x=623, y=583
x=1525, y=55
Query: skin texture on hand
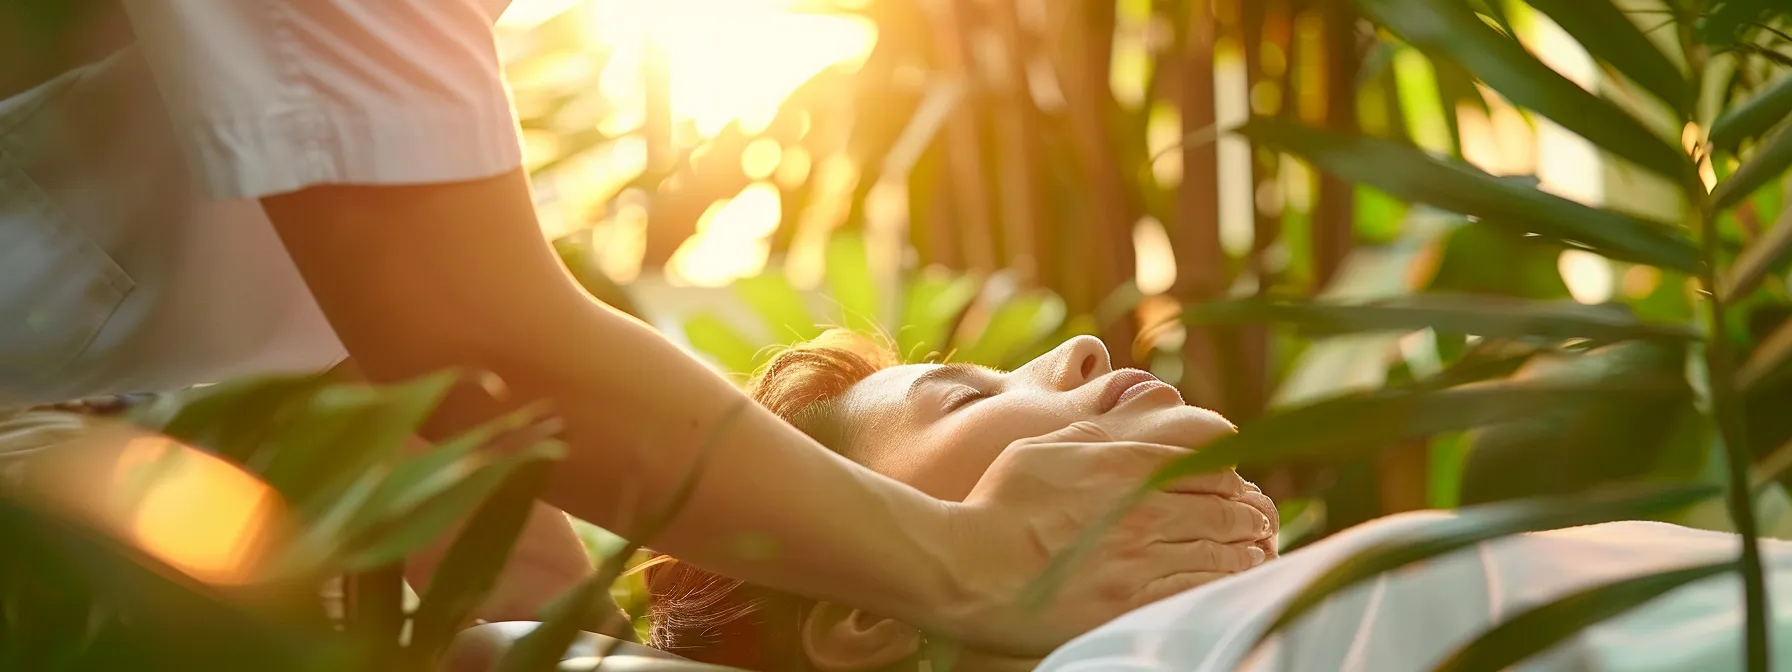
x=1194, y=533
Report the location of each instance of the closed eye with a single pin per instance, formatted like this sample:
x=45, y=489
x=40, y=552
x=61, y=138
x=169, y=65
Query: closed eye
x=963, y=397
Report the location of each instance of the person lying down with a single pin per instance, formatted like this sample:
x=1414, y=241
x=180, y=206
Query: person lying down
x=939, y=428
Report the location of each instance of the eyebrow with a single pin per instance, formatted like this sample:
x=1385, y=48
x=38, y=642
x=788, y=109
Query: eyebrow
x=955, y=372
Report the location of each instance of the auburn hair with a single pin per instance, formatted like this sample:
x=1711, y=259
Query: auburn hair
x=715, y=619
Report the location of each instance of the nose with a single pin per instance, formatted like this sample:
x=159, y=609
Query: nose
x=1084, y=358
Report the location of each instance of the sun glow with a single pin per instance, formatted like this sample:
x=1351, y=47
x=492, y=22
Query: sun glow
x=722, y=62
x=726, y=60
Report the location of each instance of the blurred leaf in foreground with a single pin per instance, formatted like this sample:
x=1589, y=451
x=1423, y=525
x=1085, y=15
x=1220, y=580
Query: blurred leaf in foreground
x=1603, y=30
x=1477, y=524
x=1539, y=628
x=1487, y=316
x=1752, y=117
x=1590, y=440
x=1767, y=163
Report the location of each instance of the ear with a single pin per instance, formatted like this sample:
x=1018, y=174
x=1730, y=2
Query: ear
x=842, y=639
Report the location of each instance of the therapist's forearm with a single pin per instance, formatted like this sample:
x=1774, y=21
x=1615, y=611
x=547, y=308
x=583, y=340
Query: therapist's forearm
x=415, y=279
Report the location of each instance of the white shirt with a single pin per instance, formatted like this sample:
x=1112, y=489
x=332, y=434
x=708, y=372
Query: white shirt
x=132, y=254
x=1410, y=620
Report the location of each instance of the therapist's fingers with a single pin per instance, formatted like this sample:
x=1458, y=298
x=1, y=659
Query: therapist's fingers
x=1180, y=517
x=1211, y=556
x=1185, y=565
x=1263, y=504
x=1224, y=483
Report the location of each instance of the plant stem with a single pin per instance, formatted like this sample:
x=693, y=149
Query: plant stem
x=1725, y=404
x=1720, y=365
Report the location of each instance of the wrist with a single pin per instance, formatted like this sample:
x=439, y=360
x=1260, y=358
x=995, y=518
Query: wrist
x=954, y=592
x=933, y=590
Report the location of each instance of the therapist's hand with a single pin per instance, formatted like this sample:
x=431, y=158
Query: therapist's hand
x=1254, y=496
x=1036, y=500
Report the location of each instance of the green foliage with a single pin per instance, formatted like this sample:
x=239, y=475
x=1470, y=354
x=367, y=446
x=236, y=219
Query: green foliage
x=1602, y=29
x=1750, y=118
x=942, y=316
x=1591, y=440
x=1410, y=174
x=1769, y=162
x=1538, y=628
x=1629, y=400
x=1475, y=525
x=1391, y=326
x=1365, y=423
x=465, y=574
x=1486, y=316
x=1449, y=27
x=353, y=497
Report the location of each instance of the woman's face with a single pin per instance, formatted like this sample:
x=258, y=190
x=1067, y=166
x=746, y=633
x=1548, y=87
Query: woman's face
x=937, y=428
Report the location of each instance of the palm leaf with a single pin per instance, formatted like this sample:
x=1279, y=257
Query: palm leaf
x=232, y=419
x=1356, y=425
x=1477, y=524
x=341, y=432
x=1752, y=117
x=432, y=518
x=1602, y=29
x=1416, y=177
x=1770, y=160
x=1547, y=625
x=1496, y=10
x=1450, y=27
x=1488, y=316
x=469, y=570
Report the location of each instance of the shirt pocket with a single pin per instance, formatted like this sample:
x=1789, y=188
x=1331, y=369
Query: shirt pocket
x=57, y=287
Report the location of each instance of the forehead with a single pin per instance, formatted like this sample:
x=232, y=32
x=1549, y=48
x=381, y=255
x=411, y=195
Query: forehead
x=883, y=393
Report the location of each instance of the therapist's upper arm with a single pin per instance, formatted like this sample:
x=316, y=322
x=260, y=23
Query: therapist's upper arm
x=273, y=96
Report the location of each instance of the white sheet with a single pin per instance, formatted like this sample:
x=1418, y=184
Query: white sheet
x=1413, y=619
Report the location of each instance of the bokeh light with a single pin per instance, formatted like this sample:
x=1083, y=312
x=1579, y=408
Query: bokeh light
x=730, y=242
x=726, y=60
x=200, y=514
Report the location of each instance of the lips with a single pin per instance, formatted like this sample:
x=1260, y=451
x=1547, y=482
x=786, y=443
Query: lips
x=1117, y=385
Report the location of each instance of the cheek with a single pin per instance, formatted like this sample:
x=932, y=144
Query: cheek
x=1008, y=418
x=969, y=442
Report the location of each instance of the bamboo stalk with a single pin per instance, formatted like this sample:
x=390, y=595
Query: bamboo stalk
x=1334, y=212
x=964, y=160
x=1083, y=67
x=1026, y=251
x=1195, y=233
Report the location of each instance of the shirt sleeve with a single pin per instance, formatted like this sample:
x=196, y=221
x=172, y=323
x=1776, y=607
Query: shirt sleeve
x=273, y=96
